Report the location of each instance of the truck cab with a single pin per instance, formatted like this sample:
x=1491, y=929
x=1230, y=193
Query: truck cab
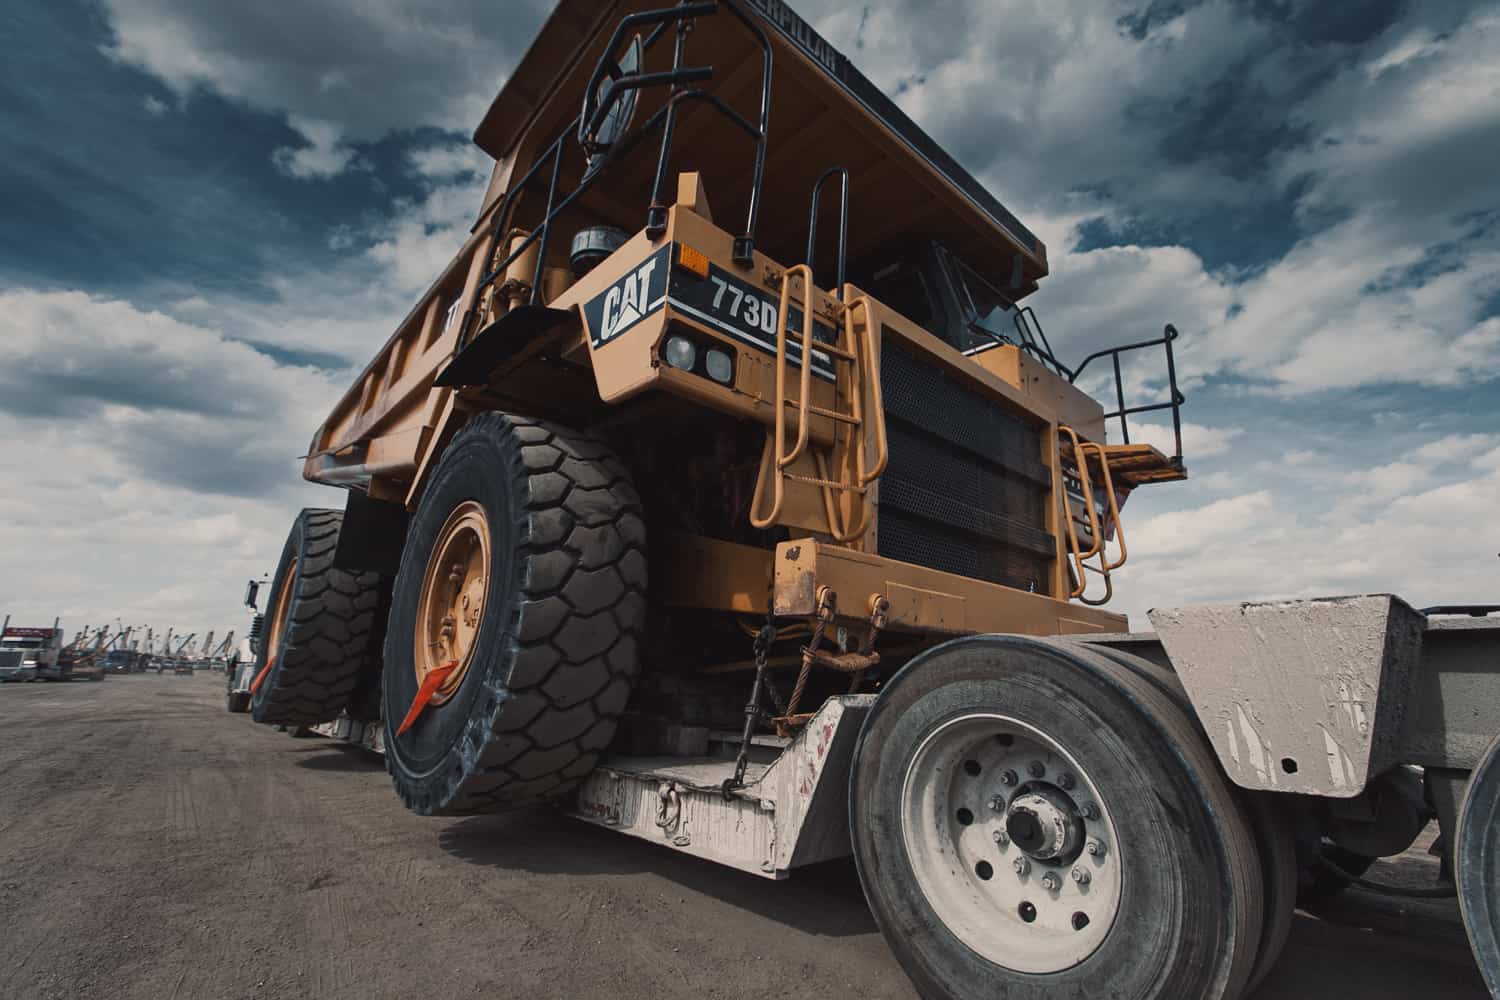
x=28, y=653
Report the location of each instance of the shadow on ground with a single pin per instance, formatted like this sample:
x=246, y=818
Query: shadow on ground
x=342, y=759
x=824, y=900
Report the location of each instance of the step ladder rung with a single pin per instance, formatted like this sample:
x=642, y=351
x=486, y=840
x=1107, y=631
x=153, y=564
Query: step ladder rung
x=823, y=411
x=838, y=352
x=831, y=484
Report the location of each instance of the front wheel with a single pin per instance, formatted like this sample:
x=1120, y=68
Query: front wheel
x=1037, y=822
x=515, y=619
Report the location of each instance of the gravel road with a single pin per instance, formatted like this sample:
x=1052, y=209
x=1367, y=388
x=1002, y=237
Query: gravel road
x=152, y=846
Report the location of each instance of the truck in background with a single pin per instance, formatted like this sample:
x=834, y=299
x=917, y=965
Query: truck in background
x=26, y=651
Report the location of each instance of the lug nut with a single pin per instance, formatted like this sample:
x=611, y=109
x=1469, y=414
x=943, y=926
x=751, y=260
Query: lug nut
x=1081, y=876
x=1021, y=866
x=1096, y=848
x=1089, y=810
x=1050, y=882
x=997, y=804
x=1065, y=781
x=1037, y=769
x=1001, y=838
x=1008, y=778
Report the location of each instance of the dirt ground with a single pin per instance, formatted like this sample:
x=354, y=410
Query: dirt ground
x=153, y=847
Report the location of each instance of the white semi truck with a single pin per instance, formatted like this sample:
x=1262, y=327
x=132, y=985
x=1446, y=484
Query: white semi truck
x=27, y=652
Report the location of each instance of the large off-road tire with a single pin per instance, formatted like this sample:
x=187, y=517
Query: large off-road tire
x=1158, y=896
x=318, y=628
x=525, y=567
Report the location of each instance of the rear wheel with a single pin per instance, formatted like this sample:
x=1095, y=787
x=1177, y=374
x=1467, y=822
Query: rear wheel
x=523, y=580
x=1270, y=821
x=318, y=629
x=1036, y=821
x=1477, y=865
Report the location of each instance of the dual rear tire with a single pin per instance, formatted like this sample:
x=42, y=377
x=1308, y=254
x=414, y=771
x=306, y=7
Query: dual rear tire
x=1034, y=819
x=318, y=629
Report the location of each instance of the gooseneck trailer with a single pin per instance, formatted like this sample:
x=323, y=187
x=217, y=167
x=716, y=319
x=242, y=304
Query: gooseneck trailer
x=724, y=491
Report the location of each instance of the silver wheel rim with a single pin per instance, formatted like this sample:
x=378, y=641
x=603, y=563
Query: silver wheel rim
x=1011, y=843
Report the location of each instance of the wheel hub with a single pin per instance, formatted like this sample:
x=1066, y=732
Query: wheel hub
x=1025, y=871
x=1044, y=823
x=450, y=609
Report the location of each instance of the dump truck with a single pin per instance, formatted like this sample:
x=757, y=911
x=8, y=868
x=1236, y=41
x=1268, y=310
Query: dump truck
x=724, y=491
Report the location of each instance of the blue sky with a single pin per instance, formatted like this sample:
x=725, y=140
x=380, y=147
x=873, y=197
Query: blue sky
x=213, y=212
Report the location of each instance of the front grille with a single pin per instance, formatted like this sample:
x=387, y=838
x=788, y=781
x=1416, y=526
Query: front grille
x=966, y=491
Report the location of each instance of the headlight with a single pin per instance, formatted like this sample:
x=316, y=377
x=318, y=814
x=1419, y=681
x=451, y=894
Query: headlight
x=720, y=366
x=681, y=353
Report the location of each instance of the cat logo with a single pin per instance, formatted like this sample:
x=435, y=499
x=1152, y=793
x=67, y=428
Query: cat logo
x=628, y=301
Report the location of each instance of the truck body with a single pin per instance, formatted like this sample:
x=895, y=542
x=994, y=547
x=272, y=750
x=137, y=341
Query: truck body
x=724, y=491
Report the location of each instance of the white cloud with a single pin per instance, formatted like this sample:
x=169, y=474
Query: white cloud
x=342, y=71
x=152, y=462
x=1422, y=529
x=1198, y=441
x=324, y=155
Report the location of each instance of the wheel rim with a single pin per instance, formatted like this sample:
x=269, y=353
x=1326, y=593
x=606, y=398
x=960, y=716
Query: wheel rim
x=282, y=609
x=450, y=610
x=1011, y=843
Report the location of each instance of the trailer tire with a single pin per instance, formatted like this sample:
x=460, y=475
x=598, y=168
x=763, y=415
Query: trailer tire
x=1477, y=865
x=1179, y=916
x=540, y=531
x=1270, y=821
x=318, y=629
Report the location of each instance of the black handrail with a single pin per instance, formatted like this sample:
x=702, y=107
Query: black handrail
x=593, y=113
x=1174, y=403
x=812, y=226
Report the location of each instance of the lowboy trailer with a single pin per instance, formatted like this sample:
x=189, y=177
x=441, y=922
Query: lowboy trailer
x=775, y=532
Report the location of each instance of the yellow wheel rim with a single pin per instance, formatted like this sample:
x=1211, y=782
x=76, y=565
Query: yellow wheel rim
x=281, y=610
x=451, y=608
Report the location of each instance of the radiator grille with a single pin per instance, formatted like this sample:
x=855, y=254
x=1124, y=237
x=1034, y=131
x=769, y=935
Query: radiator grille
x=966, y=490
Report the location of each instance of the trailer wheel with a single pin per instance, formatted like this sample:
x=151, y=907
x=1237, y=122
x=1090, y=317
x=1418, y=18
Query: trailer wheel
x=1034, y=820
x=523, y=580
x=1477, y=861
x=317, y=630
x=1275, y=834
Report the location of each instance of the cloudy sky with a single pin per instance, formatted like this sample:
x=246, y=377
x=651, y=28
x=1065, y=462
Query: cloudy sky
x=212, y=212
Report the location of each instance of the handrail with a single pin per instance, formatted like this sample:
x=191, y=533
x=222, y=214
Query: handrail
x=812, y=227
x=665, y=118
x=1175, y=399
x=809, y=323
x=1081, y=451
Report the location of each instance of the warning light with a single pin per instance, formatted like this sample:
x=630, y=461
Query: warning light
x=693, y=260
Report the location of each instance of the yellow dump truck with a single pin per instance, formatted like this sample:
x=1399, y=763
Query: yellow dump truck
x=723, y=491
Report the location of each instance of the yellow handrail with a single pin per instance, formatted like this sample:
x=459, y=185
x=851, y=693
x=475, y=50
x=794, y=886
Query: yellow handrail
x=859, y=349
x=1106, y=566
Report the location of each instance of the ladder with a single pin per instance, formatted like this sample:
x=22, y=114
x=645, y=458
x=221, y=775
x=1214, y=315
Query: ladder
x=853, y=359
x=1102, y=525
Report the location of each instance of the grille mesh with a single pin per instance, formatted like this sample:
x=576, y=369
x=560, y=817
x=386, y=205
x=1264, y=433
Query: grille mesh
x=966, y=490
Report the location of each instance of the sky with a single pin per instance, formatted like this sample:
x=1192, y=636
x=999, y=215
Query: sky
x=213, y=214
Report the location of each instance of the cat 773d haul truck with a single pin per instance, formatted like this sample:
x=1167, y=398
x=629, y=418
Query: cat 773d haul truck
x=721, y=491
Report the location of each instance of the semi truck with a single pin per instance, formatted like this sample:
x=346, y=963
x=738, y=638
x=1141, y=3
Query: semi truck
x=724, y=491
x=27, y=651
